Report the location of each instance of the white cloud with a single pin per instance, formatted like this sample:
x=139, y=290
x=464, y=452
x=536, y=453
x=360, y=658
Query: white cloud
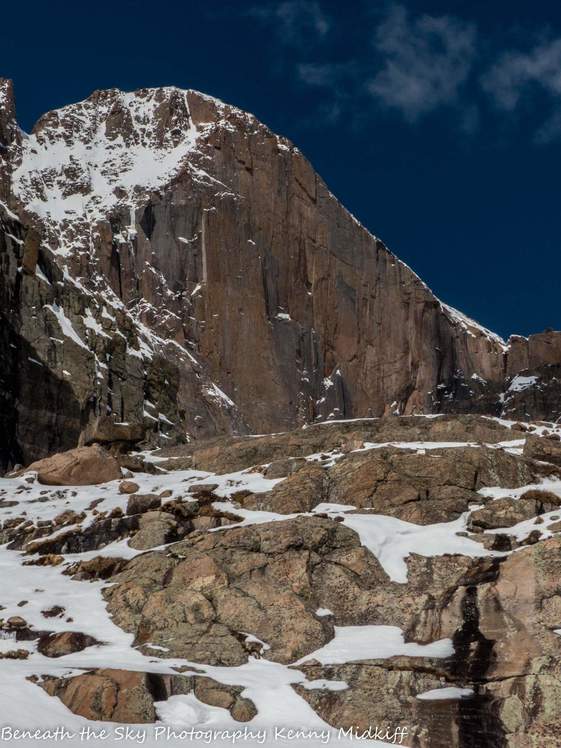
x=294, y=21
x=518, y=74
x=336, y=76
x=318, y=74
x=418, y=64
x=425, y=61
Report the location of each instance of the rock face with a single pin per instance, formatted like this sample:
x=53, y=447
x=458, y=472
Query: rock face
x=252, y=579
x=123, y=696
x=185, y=271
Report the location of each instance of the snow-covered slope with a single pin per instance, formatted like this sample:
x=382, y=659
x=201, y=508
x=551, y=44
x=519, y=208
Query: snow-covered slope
x=47, y=593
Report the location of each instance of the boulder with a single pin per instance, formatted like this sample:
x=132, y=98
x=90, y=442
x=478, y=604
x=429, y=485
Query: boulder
x=547, y=500
x=300, y=492
x=107, y=695
x=15, y=622
x=503, y=513
x=84, y=466
x=155, y=528
x=99, y=567
x=140, y=503
x=543, y=448
x=64, y=643
x=198, y=597
x=128, y=486
x=228, y=697
x=128, y=697
x=109, y=431
x=15, y=654
x=77, y=540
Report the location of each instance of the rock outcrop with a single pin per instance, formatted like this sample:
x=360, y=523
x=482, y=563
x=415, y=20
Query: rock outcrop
x=171, y=267
x=402, y=571
x=109, y=695
x=294, y=583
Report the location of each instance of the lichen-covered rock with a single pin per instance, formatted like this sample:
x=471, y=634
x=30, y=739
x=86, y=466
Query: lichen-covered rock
x=507, y=512
x=207, y=590
x=122, y=696
x=155, y=528
x=417, y=486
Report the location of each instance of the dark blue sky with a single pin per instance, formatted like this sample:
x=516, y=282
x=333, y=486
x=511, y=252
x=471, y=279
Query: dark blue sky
x=438, y=124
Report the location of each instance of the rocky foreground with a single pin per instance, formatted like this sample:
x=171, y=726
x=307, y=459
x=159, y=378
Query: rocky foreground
x=402, y=572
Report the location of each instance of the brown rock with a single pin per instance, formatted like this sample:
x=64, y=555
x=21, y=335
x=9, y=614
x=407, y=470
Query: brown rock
x=503, y=513
x=300, y=492
x=55, y=612
x=67, y=642
x=100, y=567
x=213, y=693
x=426, y=487
x=16, y=622
x=140, y=503
x=546, y=499
x=540, y=448
x=532, y=538
x=68, y=517
x=253, y=579
x=107, y=695
x=155, y=528
x=78, y=467
x=15, y=654
x=383, y=692
x=50, y=559
x=128, y=486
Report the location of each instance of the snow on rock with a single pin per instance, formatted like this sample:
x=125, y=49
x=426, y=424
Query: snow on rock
x=66, y=325
x=448, y=692
x=92, y=324
x=266, y=683
x=354, y=643
x=470, y=326
x=75, y=140
x=215, y=393
x=520, y=383
x=391, y=540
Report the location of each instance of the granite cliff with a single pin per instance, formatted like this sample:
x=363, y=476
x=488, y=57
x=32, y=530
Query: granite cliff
x=173, y=270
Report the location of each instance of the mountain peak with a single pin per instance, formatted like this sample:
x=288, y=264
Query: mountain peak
x=185, y=270
x=114, y=148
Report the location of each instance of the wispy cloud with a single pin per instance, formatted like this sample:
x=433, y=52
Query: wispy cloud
x=423, y=61
x=517, y=75
x=337, y=79
x=294, y=21
x=414, y=66
x=320, y=74
x=417, y=64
